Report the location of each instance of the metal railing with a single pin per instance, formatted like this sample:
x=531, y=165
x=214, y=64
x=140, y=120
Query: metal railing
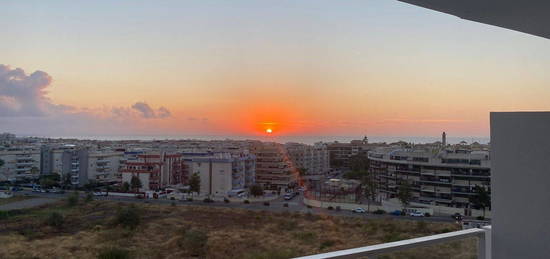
x=483, y=248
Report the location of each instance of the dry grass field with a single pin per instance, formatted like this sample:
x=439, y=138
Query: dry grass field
x=118, y=230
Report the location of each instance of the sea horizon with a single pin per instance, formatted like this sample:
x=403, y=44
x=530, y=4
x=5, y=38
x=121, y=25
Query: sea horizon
x=281, y=139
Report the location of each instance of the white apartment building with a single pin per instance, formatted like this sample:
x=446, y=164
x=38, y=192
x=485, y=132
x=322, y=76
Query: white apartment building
x=222, y=173
x=104, y=166
x=19, y=163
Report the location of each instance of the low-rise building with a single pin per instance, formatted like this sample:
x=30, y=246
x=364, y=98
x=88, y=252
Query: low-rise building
x=156, y=170
x=222, y=173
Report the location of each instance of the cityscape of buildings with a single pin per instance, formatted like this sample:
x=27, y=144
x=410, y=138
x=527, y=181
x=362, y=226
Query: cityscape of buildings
x=439, y=174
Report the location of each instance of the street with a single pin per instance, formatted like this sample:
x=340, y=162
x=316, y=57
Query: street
x=294, y=205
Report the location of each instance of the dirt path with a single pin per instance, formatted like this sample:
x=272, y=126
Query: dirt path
x=24, y=204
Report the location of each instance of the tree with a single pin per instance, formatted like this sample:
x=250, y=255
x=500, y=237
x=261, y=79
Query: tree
x=135, y=183
x=359, y=163
x=1, y=162
x=302, y=171
x=370, y=188
x=91, y=185
x=48, y=181
x=35, y=170
x=482, y=199
x=256, y=190
x=125, y=187
x=404, y=194
x=66, y=180
x=195, y=183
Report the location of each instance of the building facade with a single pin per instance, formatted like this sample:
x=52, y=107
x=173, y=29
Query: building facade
x=341, y=153
x=274, y=170
x=156, y=170
x=438, y=177
x=222, y=173
x=20, y=163
x=313, y=159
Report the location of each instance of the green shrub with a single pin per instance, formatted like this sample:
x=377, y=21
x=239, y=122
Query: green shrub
x=189, y=199
x=114, y=253
x=246, y=201
x=305, y=236
x=421, y=226
x=72, y=200
x=226, y=200
x=4, y=214
x=330, y=208
x=285, y=204
x=272, y=254
x=480, y=218
x=128, y=217
x=89, y=197
x=55, y=219
x=194, y=242
x=287, y=224
x=391, y=237
x=326, y=244
x=379, y=211
x=371, y=228
x=173, y=204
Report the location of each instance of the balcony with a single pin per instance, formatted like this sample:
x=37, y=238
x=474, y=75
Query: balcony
x=482, y=234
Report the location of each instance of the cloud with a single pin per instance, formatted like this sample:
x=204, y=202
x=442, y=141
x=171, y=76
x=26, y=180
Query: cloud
x=22, y=94
x=147, y=112
x=140, y=110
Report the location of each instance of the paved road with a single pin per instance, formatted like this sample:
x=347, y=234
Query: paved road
x=24, y=204
x=294, y=205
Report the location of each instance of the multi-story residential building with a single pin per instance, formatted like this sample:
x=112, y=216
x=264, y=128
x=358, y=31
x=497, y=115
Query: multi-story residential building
x=314, y=159
x=340, y=153
x=156, y=170
x=222, y=173
x=104, y=166
x=442, y=177
x=20, y=162
x=74, y=164
x=274, y=169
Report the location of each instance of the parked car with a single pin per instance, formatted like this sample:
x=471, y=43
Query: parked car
x=457, y=216
x=359, y=210
x=290, y=195
x=416, y=214
x=396, y=213
x=56, y=190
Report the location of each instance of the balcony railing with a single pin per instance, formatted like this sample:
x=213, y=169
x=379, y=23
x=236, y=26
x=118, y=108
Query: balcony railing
x=483, y=248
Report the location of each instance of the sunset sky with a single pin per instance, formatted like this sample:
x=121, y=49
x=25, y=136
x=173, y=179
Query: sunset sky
x=378, y=67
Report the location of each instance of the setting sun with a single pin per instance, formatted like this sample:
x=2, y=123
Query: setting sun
x=269, y=131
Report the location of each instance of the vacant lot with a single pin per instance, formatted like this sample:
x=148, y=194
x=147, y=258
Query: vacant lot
x=14, y=199
x=101, y=229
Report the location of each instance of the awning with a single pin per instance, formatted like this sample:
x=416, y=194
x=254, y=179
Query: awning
x=530, y=16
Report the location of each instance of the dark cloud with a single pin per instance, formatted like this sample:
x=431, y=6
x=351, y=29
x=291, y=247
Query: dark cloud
x=22, y=94
x=145, y=111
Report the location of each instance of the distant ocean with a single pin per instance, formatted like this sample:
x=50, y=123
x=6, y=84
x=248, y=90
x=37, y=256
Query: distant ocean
x=284, y=139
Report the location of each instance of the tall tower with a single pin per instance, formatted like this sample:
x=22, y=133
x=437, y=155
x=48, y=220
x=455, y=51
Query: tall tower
x=444, y=139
